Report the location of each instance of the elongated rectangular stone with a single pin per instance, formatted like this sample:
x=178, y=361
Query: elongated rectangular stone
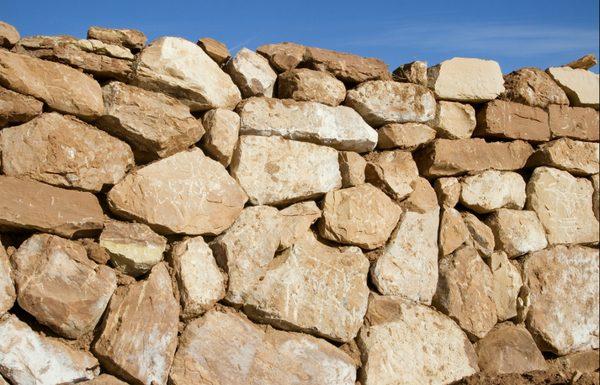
x=510, y=120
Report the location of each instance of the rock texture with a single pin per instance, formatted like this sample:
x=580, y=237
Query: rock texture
x=581, y=86
x=574, y=122
x=344, y=66
x=296, y=221
x=508, y=120
x=533, y=87
x=392, y=171
x=16, y=108
x=454, y=120
x=352, y=168
x=307, y=85
x=507, y=284
x=7, y=286
x=404, y=136
x=517, y=232
x=222, y=131
x=215, y=49
x=481, y=237
x=576, y=157
x=491, y=190
x=251, y=73
x=9, y=35
x=130, y=38
x=453, y=231
x=283, y=56
x=413, y=72
x=448, y=190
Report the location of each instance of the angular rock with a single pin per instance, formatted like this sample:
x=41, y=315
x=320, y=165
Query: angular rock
x=533, y=87
x=154, y=124
x=491, y=190
x=466, y=80
x=215, y=49
x=574, y=122
x=283, y=56
x=517, y=232
x=7, y=286
x=563, y=205
x=445, y=157
x=307, y=85
x=94, y=251
x=413, y=72
x=447, y=190
x=507, y=283
x=509, y=348
x=64, y=151
x=339, y=127
x=395, y=329
x=181, y=69
x=212, y=349
x=453, y=231
x=27, y=357
x=9, y=35
x=128, y=330
x=508, y=120
x=361, y=216
x=585, y=62
x=185, y=193
x=252, y=74
x=222, y=131
x=296, y=221
x=276, y=171
x=392, y=171
x=581, y=86
x=381, y=102
x=564, y=279
x=293, y=294
x=596, y=195
x=454, y=120
x=347, y=67
x=16, y=108
x=404, y=136
x=481, y=236
x=130, y=38
x=62, y=88
x=36, y=206
x=576, y=157
x=352, y=168
x=585, y=362
x=105, y=379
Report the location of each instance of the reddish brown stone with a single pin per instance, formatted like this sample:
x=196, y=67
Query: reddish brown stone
x=215, y=49
x=346, y=67
x=533, y=87
x=510, y=120
x=129, y=38
x=16, y=108
x=574, y=122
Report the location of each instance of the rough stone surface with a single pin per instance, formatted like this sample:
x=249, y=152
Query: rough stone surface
x=130, y=38
x=564, y=279
x=307, y=85
x=9, y=35
x=466, y=80
x=361, y=216
x=181, y=69
x=185, y=193
x=283, y=56
x=313, y=288
x=517, y=232
x=16, y=108
x=104, y=379
x=276, y=171
x=404, y=136
x=491, y=190
x=533, y=87
x=251, y=73
x=128, y=330
x=296, y=221
x=481, y=236
x=453, y=231
x=396, y=329
x=215, y=49
x=352, y=168
x=586, y=361
x=507, y=283
x=36, y=206
x=454, y=120
x=581, y=86
x=381, y=102
x=508, y=120
x=447, y=190
x=213, y=347
x=339, y=127
x=596, y=195
x=413, y=72
x=576, y=157
x=346, y=67
x=222, y=131
x=574, y=122
x=392, y=171
x=563, y=205
x=7, y=287
x=585, y=62
x=60, y=286
x=64, y=151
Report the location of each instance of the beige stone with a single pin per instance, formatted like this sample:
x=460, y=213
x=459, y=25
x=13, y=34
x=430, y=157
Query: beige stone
x=7, y=286
x=564, y=279
x=508, y=120
x=491, y=190
x=454, y=120
x=283, y=56
x=585, y=362
x=9, y=35
x=36, y=206
x=296, y=221
x=453, y=231
x=517, y=232
x=585, y=62
x=481, y=236
x=581, y=86
x=251, y=73
x=215, y=49
x=16, y=108
x=574, y=122
x=307, y=85
x=392, y=171
x=361, y=216
x=447, y=190
x=181, y=69
x=381, y=102
x=576, y=157
x=130, y=38
x=352, y=168
x=222, y=131
x=533, y=87
x=596, y=195
x=105, y=379
x=507, y=283
x=185, y=193
x=60, y=286
x=64, y=151
x=413, y=72
x=139, y=333
x=276, y=171
x=347, y=67
x=339, y=127
x=395, y=329
x=404, y=136
x=563, y=205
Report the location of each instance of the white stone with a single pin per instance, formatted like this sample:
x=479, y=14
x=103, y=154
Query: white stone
x=491, y=190
x=507, y=283
x=517, y=232
x=454, y=120
x=251, y=73
x=581, y=86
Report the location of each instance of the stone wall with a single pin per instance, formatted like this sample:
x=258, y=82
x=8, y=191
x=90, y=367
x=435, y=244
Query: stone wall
x=294, y=215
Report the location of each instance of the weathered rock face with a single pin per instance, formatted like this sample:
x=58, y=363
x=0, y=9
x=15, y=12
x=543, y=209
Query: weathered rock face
x=60, y=286
x=552, y=276
x=16, y=108
x=251, y=73
x=517, y=232
x=509, y=348
x=362, y=216
x=215, y=49
x=395, y=329
x=62, y=88
x=586, y=361
x=466, y=80
x=185, y=193
x=222, y=131
x=502, y=119
x=283, y=56
x=574, y=122
x=453, y=231
x=481, y=236
x=213, y=347
x=128, y=331
x=181, y=69
x=579, y=158
x=563, y=205
x=581, y=86
x=344, y=66
x=276, y=171
x=413, y=72
x=507, y=283
x=27, y=357
x=382, y=102
x=37, y=206
x=9, y=35
x=64, y=151
x=448, y=191
x=596, y=195
x=328, y=286
x=533, y=87
x=446, y=157
x=7, y=287
x=392, y=171
x=585, y=62
x=304, y=84
x=296, y=221
x=352, y=168
x=404, y=136
x=104, y=379
x=454, y=120
x=156, y=125
x=130, y=38
x=491, y=190
x=339, y=127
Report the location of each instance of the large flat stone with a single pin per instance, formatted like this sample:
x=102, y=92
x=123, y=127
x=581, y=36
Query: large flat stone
x=574, y=156
x=581, y=86
x=347, y=67
x=533, y=87
x=16, y=108
x=574, y=122
x=404, y=136
x=508, y=120
x=130, y=38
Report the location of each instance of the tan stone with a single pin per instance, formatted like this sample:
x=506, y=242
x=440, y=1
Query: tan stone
x=62, y=88
x=508, y=120
x=395, y=329
x=141, y=322
x=222, y=131
x=181, y=69
x=36, y=206
x=574, y=122
x=315, y=289
x=94, y=251
x=130, y=38
x=447, y=190
x=215, y=49
x=533, y=87
x=517, y=232
x=445, y=157
x=413, y=72
x=585, y=362
x=585, y=62
x=596, y=195
x=224, y=347
x=491, y=190
x=154, y=124
x=7, y=286
x=576, y=157
x=361, y=216
x=481, y=236
x=276, y=171
x=392, y=171
x=347, y=67
x=381, y=102
x=507, y=283
x=251, y=73
x=404, y=136
x=64, y=151
x=453, y=231
x=283, y=56
x=185, y=193
x=16, y=108
x=9, y=35
x=307, y=85
x=581, y=86
x=60, y=286
x=564, y=279
x=352, y=168
x=563, y=205
x=454, y=120
x=296, y=221
x=105, y=379
x=509, y=348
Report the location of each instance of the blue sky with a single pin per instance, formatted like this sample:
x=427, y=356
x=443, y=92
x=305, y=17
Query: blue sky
x=515, y=33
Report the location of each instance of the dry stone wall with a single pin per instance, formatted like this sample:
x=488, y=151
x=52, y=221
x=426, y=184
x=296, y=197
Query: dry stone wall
x=173, y=214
